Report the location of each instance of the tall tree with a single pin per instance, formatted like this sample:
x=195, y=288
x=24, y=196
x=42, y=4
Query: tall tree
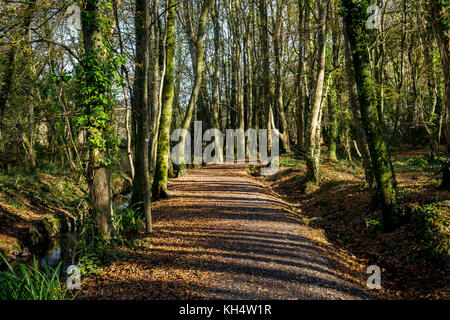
x=333, y=94
x=314, y=132
x=162, y=162
x=300, y=75
x=199, y=60
x=265, y=76
x=97, y=80
x=279, y=78
x=359, y=40
x=141, y=195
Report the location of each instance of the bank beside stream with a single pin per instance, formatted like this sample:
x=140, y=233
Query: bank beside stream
x=36, y=209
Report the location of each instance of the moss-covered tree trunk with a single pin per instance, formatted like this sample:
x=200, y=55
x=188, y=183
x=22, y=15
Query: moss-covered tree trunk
x=361, y=138
x=162, y=162
x=360, y=40
x=333, y=101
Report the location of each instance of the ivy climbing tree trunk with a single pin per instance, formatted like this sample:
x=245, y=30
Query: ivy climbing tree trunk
x=97, y=110
x=359, y=40
x=162, y=162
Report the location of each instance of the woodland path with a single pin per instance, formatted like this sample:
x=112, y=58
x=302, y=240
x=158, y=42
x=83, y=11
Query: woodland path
x=222, y=235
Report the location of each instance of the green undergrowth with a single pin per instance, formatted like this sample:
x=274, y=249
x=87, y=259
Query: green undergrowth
x=24, y=282
x=47, y=187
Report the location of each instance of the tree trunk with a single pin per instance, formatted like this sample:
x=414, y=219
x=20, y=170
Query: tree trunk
x=359, y=40
x=279, y=82
x=162, y=162
x=333, y=102
x=301, y=57
x=200, y=52
x=216, y=79
x=124, y=74
x=141, y=195
x=98, y=174
x=314, y=136
x=265, y=76
x=361, y=138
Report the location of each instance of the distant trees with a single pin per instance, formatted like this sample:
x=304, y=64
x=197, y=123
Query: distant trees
x=197, y=62
x=439, y=16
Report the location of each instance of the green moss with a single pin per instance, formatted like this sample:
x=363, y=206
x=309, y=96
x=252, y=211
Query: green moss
x=159, y=188
x=10, y=247
x=434, y=222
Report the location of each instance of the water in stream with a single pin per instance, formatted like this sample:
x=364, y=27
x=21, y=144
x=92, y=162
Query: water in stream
x=62, y=249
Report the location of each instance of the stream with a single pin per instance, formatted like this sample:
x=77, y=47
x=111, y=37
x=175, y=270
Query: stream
x=61, y=250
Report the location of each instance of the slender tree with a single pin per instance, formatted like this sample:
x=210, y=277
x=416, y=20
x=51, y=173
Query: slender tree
x=162, y=162
x=314, y=132
x=141, y=195
x=199, y=54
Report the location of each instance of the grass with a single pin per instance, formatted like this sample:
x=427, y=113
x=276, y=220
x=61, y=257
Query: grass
x=415, y=164
x=24, y=282
x=287, y=162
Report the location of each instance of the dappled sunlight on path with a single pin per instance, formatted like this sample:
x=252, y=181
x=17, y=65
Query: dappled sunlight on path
x=222, y=236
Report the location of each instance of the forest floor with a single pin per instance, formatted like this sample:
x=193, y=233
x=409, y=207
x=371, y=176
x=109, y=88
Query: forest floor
x=414, y=258
x=223, y=235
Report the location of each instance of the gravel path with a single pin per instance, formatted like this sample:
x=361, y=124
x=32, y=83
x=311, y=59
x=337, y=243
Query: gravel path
x=221, y=235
